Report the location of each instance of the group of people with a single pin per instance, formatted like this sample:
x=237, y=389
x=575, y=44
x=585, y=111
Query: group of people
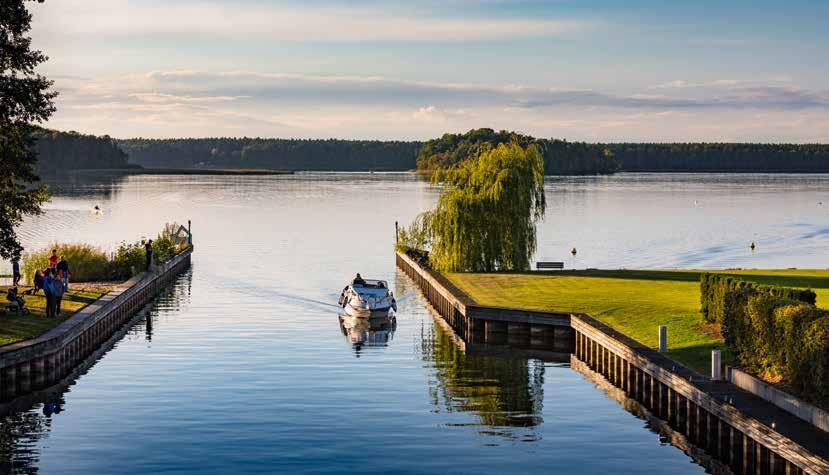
x=54, y=281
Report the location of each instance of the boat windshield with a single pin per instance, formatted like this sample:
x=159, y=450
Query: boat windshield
x=372, y=284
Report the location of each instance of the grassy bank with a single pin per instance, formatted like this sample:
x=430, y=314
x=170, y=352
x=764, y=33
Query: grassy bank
x=635, y=302
x=14, y=328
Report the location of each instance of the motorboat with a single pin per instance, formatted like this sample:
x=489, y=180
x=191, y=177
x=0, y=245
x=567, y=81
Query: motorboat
x=368, y=332
x=367, y=297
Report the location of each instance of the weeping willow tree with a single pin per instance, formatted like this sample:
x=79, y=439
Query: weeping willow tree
x=486, y=215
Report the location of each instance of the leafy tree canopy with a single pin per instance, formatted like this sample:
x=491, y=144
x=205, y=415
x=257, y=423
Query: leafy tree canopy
x=486, y=216
x=25, y=100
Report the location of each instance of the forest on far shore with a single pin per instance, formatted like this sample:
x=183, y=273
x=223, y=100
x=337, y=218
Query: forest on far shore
x=62, y=151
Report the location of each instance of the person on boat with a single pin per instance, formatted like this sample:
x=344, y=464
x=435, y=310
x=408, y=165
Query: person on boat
x=358, y=280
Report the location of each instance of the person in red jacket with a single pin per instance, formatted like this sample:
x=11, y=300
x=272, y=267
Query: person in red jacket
x=53, y=259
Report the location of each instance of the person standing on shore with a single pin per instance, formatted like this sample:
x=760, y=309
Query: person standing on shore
x=53, y=259
x=59, y=291
x=63, y=273
x=49, y=292
x=15, y=272
x=149, y=248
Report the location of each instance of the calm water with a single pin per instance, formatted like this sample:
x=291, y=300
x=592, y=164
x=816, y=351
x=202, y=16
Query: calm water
x=245, y=366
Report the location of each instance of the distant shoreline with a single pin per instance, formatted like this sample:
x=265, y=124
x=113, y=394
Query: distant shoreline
x=186, y=171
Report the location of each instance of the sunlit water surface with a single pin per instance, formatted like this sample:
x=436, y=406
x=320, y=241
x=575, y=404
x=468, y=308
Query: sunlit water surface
x=245, y=366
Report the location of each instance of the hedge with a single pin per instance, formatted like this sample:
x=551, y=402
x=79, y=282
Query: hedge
x=776, y=332
x=715, y=290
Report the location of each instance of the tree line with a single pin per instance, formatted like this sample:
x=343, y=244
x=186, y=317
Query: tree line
x=62, y=151
x=281, y=154
x=70, y=150
x=560, y=156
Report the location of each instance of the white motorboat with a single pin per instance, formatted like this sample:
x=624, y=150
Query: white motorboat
x=366, y=297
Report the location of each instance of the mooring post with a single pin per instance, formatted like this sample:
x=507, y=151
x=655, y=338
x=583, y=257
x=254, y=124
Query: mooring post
x=663, y=338
x=396, y=232
x=189, y=232
x=716, y=368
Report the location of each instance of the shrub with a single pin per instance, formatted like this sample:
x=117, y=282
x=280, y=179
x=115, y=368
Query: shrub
x=774, y=331
x=128, y=260
x=87, y=262
x=715, y=288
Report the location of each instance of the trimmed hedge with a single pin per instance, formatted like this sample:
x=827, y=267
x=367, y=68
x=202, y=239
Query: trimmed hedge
x=715, y=290
x=776, y=332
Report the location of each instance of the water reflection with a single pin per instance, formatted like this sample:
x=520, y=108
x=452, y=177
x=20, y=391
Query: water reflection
x=368, y=332
x=26, y=420
x=502, y=392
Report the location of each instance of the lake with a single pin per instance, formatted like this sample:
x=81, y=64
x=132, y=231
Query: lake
x=245, y=365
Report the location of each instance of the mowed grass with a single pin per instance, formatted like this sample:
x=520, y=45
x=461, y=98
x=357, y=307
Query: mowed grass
x=634, y=302
x=14, y=328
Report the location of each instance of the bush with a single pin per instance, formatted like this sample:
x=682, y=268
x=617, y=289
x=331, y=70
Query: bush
x=715, y=288
x=128, y=260
x=788, y=340
x=776, y=332
x=87, y=263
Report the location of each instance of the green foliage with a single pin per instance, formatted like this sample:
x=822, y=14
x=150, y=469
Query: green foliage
x=486, y=214
x=25, y=100
x=788, y=340
x=416, y=236
x=86, y=262
x=283, y=154
x=62, y=151
x=560, y=157
x=717, y=300
x=773, y=331
x=128, y=260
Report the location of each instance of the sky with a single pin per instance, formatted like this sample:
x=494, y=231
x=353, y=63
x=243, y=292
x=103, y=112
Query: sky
x=658, y=71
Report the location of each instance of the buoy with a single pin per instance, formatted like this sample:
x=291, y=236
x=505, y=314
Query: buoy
x=573, y=252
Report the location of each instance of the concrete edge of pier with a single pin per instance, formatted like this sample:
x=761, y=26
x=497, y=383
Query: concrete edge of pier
x=33, y=364
x=744, y=431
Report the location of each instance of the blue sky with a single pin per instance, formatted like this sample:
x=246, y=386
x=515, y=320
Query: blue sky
x=596, y=71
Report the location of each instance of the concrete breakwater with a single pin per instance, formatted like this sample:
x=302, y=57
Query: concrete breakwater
x=742, y=432
x=31, y=365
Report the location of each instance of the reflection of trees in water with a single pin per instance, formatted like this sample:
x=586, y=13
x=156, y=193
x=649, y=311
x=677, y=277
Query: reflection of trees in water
x=91, y=185
x=20, y=434
x=502, y=392
x=26, y=420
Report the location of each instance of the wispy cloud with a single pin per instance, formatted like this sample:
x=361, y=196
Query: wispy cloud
x=122, y=18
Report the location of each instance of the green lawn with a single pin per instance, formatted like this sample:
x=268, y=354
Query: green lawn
x=15, y=328
x=634, y=302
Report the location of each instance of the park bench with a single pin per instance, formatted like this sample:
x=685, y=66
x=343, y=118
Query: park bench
x=549, y=265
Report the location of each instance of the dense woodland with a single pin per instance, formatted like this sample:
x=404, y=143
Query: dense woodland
x=281, y=154
x=70, y=150
x=560, y=157
x=62, y=151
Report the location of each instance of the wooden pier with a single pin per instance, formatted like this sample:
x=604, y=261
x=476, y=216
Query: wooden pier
x=739, y=430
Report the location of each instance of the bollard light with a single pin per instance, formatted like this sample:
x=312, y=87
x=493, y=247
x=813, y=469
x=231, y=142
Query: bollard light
x=716, y=367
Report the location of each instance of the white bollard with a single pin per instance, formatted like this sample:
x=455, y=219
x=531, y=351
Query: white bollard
x=663, y=338
x=716, y=367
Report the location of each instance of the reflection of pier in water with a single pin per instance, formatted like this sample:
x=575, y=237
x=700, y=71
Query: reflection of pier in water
x=21, y=427
x=735, y=429
x=503, y=392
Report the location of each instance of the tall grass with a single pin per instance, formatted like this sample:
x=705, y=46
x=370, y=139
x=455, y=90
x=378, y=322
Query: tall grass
x=87, y=262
